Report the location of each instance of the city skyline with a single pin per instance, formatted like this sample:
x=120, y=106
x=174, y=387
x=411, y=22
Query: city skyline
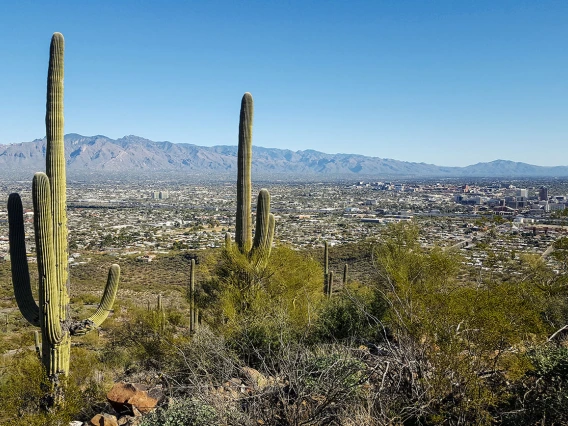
x=445, y=83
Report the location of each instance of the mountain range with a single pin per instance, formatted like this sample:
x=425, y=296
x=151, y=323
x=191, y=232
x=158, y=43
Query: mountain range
x=133, y=155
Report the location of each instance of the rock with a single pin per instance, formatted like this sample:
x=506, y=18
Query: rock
x=104, y=419
x=76, y=423
x=126, y=397
x=128, y=421
x=255, y=377
x=235, y=381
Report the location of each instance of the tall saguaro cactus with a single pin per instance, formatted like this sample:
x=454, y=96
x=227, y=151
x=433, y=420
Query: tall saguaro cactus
x=50, y=226
x=264, y=233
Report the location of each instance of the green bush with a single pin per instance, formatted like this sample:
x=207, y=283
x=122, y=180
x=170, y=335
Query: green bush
x=256, y=306
x=353, y=313
x=24, y=391
x=141, y=343
x=541, y=396
x=472, y=334
x=183, y=413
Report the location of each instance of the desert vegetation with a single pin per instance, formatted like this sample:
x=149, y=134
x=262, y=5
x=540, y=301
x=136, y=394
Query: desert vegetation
x=415, y=342
x=382, y=332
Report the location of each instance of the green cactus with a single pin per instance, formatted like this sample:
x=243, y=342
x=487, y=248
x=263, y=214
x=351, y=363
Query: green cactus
x=161, y=314
x=243, y=230
x=260, y=248
x=345, y=271
x=329, y=286
x=37, y=344
x=50, y=226
x=192, y=306
x=325, y=267
x=325, y=258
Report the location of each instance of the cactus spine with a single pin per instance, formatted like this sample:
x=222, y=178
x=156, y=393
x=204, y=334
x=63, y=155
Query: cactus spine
x=264, y=233
x=50, y=226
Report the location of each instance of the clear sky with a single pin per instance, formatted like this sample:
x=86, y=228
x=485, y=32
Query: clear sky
x=445, y=82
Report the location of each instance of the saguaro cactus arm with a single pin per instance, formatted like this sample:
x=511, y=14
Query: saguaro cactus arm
x=20, y=270
x=261, y=233
x=243, y=231
x=271, y=226
x=105, y=306
x=109, y=295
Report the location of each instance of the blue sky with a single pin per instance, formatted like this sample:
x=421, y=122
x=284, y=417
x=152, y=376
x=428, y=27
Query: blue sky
x=444, y=82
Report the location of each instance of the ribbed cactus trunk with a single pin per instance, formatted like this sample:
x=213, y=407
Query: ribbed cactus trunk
x=50, y=226
x=57, y=184
x=55, y=167
x=56, y=342
x=329, y=287
x=325, y=267
x=243, y=231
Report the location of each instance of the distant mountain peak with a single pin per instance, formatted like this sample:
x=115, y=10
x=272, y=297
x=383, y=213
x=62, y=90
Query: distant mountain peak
x=133, y=154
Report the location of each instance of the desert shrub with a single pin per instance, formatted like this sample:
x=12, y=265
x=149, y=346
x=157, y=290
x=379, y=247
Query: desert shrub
x=24, y=390
x=177, y=318
x=182, y=413
x=200, y=363
x=549, y=283
x=471, y=334
x=541, y=396
x=145, y=341
x=311, y=385
x=352, y=313
x=256, y=305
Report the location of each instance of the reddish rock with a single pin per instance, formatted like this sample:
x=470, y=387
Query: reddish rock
x=125, y=397
x=104, y=419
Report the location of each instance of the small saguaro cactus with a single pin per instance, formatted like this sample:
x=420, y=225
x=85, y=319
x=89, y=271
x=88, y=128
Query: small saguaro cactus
x=161, y=313
x=192, y=305
x=329, y=286
x=50, y=226
x=325, y=268
x=260, y=248
x=325, y=258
